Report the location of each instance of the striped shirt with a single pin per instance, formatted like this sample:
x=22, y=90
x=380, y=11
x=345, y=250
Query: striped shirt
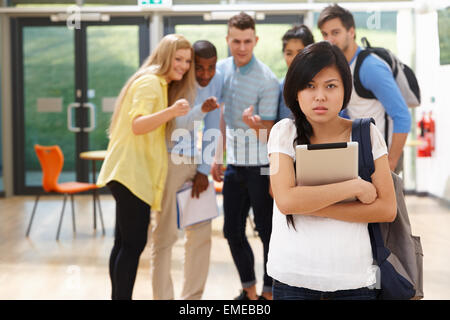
x=251, y=85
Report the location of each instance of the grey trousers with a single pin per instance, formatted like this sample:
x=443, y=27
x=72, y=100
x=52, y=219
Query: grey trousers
x=197, y=242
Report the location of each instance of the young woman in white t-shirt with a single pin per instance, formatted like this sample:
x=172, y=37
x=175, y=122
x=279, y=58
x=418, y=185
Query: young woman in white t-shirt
x=320, y=248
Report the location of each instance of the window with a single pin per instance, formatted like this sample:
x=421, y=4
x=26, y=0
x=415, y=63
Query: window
x=380, y=28
x=268, y=49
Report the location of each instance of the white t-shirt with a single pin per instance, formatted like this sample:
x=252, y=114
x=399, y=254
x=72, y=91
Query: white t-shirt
x=321, y=254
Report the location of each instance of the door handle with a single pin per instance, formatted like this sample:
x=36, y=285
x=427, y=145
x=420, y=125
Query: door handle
x=91, y=108
x=70, y=126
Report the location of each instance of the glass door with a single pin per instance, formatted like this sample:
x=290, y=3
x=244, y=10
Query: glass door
x=46, y=100
x=111, y=60
x=65, y=82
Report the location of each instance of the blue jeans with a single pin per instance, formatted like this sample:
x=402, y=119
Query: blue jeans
x=244, y=187
x=283, y=291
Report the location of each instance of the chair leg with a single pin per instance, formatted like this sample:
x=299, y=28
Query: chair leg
x=101, y=213
x=95, y=209
x=61, y=218
x=73, y=214
x=32, y=214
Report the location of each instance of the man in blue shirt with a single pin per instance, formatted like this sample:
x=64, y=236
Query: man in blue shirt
x=338, y=26
x=185, y=165
x=250, y=97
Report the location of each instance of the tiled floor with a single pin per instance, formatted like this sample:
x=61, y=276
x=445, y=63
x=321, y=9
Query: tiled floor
x=76, y=267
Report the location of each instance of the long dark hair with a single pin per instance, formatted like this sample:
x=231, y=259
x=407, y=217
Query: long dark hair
x=309, y=62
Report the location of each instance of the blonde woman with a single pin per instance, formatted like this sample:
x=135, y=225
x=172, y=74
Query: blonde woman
x=135, y=167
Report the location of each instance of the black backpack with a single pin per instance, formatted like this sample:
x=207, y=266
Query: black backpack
x=403, y=75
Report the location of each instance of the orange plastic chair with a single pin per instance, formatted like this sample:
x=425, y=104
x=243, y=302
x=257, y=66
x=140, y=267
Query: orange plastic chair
x=51, y=159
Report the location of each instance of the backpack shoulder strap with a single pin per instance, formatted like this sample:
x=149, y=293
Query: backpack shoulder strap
x=361, y=134
x=360, y=90
x=366, y=167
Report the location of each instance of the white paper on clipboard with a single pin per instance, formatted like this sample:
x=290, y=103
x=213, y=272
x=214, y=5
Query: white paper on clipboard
x=195, y=210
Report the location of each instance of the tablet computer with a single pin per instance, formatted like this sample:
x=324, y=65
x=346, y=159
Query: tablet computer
x=318, y=164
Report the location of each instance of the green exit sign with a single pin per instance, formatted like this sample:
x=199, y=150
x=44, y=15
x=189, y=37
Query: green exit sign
x=146, y=3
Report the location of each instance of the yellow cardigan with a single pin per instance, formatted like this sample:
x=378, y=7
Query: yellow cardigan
x=139, y=162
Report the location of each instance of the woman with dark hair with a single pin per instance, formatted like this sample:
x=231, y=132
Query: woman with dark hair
x=320, y=247
x=294, y=41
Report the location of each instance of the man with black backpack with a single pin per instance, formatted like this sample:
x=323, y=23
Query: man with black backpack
x=375, y=92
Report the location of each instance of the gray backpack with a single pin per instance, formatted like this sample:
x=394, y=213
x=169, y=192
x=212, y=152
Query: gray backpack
x=396, y=251
x=406, y=249
x=403, y=75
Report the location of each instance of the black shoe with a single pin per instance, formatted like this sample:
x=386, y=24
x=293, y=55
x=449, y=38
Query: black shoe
x=261, y=298
x=242, y=296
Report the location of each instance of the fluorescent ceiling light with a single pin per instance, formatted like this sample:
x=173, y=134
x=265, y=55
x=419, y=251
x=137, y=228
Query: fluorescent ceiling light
x=226, y=15
x=81, y=16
